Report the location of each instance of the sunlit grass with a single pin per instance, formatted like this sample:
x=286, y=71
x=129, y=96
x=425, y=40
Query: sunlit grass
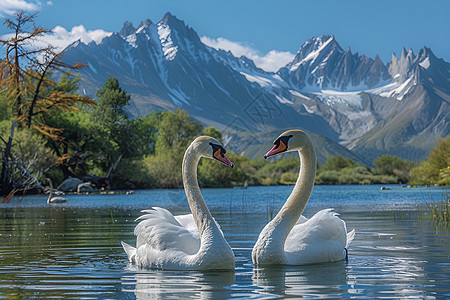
x=441, y=210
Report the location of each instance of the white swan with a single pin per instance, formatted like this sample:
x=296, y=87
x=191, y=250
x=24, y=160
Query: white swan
x=187, y=242
x=52, y=199
x=291, y=239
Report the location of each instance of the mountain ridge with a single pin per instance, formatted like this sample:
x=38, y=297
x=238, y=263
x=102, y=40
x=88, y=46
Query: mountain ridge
x=346, y=97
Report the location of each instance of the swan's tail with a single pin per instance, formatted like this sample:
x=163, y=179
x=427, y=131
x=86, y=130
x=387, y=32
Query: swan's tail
x=130, y=251
x=350, y=237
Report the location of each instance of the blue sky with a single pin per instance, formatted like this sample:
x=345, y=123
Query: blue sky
x=282, y=26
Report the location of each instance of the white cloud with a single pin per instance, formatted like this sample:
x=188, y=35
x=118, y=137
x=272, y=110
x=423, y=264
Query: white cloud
x=49, y=3
x=60, y=38
x=271, y=61
x=10, y=7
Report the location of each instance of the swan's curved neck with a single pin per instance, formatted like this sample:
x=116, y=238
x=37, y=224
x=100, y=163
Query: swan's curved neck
x=200, y=211
x=295, y=204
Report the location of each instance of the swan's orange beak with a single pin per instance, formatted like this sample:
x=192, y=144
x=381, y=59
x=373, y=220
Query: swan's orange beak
x=222, y=158
x=277, y=149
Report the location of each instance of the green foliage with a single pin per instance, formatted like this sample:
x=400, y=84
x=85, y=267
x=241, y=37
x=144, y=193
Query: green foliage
x=270, y=172
x=339, y=170
x=288, y=178
x=213, y=132
x=165, y=168
x=133, y=173
x=394, y=166
x=338, y=163
x=176, y=131
x=68, y=83
x=29, y=150
x=110, y=109
x=212, y=173
x=110, y=121
x=115, y=135
x=5, y=108
x=436, y=170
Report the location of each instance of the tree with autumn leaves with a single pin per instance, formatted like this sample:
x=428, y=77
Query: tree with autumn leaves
x=32, y=96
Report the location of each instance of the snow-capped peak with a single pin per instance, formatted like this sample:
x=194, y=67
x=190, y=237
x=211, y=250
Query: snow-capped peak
x=127, y=29
x=314, y=48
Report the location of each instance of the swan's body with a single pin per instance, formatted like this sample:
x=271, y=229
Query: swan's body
x=187, y=242
x=52, y=199
x=291, y=239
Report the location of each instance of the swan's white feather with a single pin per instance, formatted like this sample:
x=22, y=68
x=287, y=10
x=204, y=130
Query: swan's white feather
x=187, y=221
x=301, y=220
x=129, y=250
x=350, y=237
x=319, y=239
x=160, y=230
x=323, y=226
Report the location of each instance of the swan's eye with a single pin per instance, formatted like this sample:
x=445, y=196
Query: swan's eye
x=283, y=142
x=285, y=139
x=218, y=150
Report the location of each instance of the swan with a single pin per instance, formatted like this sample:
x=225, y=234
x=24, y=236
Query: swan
x=187, y=242
x=291, y=239
x=52, y=199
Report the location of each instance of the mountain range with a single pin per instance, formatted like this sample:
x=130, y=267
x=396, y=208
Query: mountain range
x=353, y=105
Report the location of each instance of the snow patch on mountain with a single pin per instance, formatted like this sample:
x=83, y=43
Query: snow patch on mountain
x=395, y=89
x=178, y=95
x=425, y=63
x=169, y=48
x=131, y=40
x=283, y=100
x=298, y=94
x=309, y=109
x=263, y=82
x=332, y=97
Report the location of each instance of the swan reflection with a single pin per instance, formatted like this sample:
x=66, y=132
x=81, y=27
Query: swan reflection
x=330, y=279
x=182, y=285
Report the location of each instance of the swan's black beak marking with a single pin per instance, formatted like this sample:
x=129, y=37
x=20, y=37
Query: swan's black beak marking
x=281, y=145
x=219, y=154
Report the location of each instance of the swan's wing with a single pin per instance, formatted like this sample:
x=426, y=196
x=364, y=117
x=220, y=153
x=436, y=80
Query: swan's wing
x=301, y=220
x=187, y=221
x=160, y=230
x=324, y=229
x=129, y=250
x=350, y=237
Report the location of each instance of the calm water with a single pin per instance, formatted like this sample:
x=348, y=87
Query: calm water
x=73, y=250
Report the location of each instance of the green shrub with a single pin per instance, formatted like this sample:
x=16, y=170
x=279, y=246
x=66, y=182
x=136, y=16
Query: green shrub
x=288, y=178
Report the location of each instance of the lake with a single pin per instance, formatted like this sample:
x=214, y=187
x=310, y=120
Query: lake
x=73, y=250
